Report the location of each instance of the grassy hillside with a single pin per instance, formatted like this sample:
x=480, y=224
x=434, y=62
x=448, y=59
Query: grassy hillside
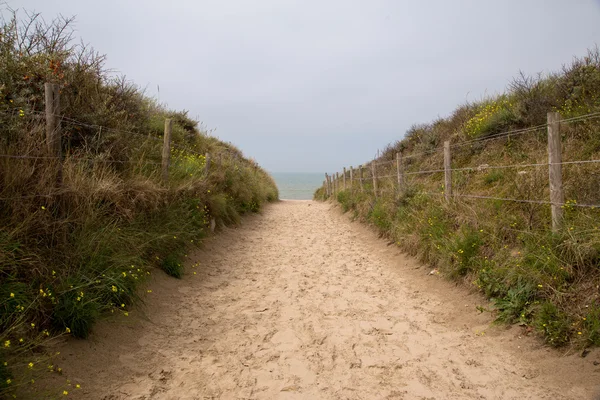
x=73, y=251
x=548, y=282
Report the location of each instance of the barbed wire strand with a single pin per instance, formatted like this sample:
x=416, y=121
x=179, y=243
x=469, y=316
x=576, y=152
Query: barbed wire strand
x=121, y=131
x=485, y=167
x=581, y=117
x=542, y=202
x=500, y=135
x=95, y=160
x=114, y=130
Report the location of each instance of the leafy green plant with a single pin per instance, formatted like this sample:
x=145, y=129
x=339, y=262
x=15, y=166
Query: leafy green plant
x=512, y=306
x=553, y=324
x=492, y=280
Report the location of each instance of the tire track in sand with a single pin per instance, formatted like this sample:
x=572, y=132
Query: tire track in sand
x=300, y=303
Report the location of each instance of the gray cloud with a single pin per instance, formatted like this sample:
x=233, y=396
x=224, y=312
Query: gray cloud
x=316, y=85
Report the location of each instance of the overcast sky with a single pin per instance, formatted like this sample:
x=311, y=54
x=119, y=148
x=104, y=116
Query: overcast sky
x=312, y=86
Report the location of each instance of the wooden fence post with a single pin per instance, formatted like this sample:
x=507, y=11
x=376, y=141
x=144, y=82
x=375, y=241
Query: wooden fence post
x=447, y=171
x=400, y=170
x=327, y=186
x=53, y=134
x=207, y=163
x=360, y=178
x=351, y=177
x=374, y=172
x=337, y=179
x=333, y=188
x=557, y=195
x=166, y=152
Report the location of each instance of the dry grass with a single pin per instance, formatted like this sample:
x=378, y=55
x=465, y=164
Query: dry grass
x=105, y=220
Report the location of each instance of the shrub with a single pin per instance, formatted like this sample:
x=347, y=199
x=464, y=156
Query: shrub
x=493, y=117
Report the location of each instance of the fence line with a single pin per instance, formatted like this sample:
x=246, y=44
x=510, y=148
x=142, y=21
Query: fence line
x=422, y=153
x=114, y=130
x=555, y=163
x=71, y=158
x=500, y=135
x=581, y=117
x=53, y=121
x=103, y=128
x=473, y=196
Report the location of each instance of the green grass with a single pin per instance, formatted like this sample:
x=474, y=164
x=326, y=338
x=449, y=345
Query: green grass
x=548, y=281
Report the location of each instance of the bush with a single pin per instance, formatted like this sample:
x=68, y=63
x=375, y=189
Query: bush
x=493, y=117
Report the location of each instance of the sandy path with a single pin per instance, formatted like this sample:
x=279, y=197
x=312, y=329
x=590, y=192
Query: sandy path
x=300, y=303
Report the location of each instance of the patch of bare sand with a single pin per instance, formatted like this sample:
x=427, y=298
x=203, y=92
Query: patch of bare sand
x=301, y=303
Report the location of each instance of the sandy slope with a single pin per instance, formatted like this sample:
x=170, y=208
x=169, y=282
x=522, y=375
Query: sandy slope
x=300, y=303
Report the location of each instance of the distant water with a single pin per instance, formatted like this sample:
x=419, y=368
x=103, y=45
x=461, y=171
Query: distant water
x=297, y=185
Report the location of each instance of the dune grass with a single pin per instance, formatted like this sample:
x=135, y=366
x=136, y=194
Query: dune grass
x=76, y=251
x=548, y=282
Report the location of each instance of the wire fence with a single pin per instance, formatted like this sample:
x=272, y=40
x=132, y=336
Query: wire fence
x=390, y=176
x=41, y=116
x=61, y=123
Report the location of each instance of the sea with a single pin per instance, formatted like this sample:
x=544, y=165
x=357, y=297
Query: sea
x=297, y=185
